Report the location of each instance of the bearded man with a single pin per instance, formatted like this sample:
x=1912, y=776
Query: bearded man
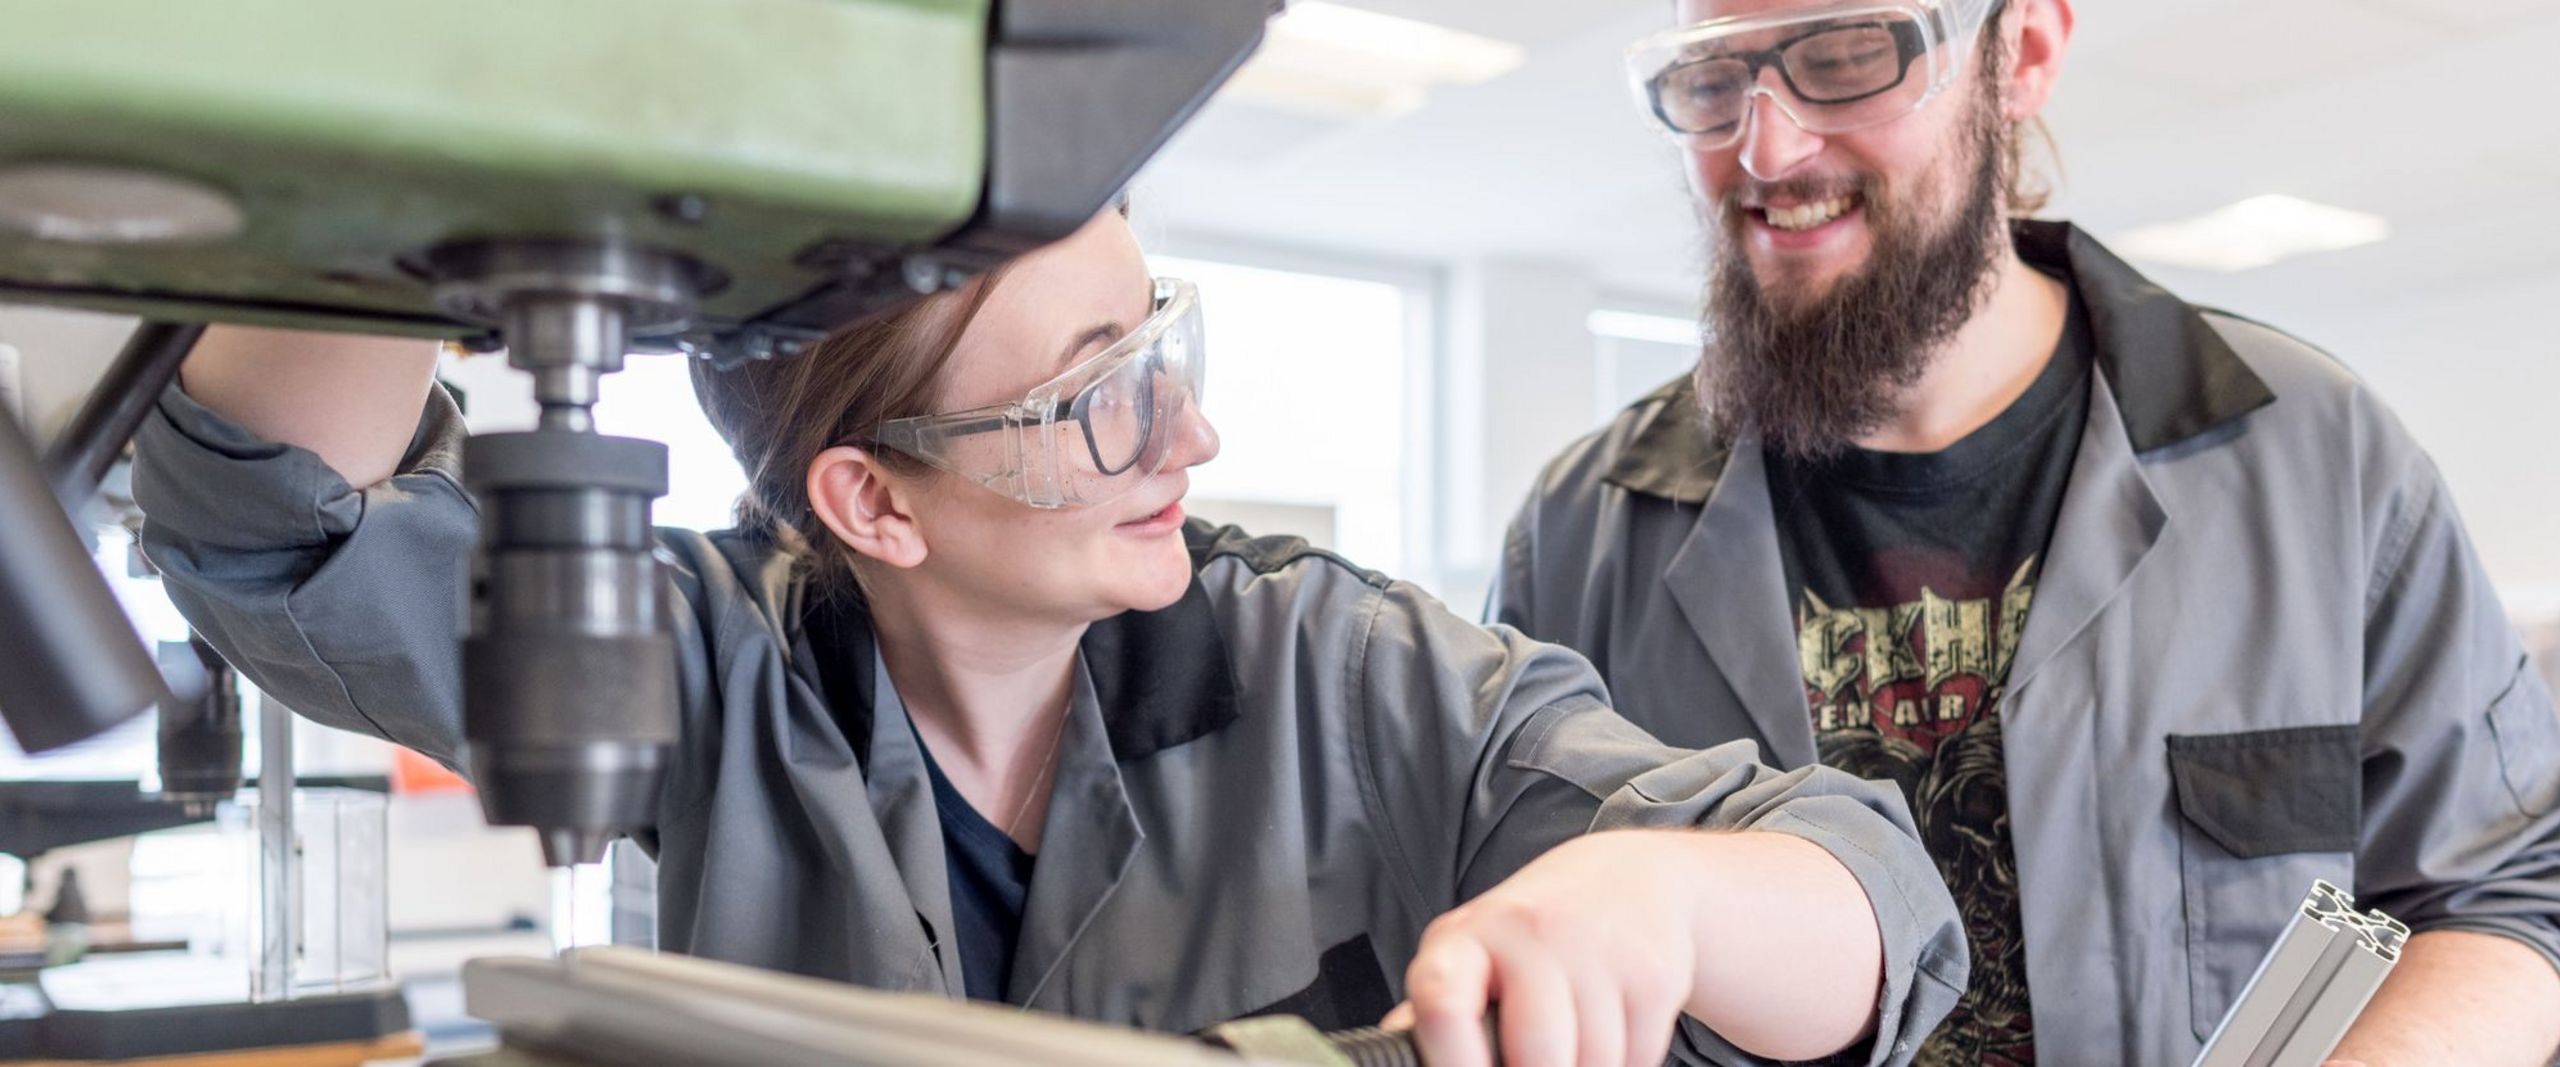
x=2156, y=614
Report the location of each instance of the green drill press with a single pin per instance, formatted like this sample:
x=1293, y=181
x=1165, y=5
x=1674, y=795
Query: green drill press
x=572, y=179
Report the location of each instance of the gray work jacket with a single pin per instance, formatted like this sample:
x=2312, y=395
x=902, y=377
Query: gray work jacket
x=1263, y=795
x=2261, y=652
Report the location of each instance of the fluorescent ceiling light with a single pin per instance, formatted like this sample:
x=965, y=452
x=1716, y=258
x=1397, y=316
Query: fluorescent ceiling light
x=1637, y=326
x=2254, y=233
x=1327, y=59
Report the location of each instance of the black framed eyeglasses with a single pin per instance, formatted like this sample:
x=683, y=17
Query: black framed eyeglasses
x=1115, y=424
x=1125, y=401
x=1843, y=67
x=1830, y=66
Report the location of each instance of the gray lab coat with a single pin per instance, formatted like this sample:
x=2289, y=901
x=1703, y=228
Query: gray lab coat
x=2261, y=652
x=1264, y=792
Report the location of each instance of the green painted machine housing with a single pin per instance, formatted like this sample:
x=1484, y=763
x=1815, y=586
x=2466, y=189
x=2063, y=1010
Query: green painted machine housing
x=762, y=137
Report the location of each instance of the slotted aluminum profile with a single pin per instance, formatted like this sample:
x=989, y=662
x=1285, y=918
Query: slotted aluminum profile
x=2310, y=987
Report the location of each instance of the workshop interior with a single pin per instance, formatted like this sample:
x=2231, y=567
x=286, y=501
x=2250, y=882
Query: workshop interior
x=1450, y=202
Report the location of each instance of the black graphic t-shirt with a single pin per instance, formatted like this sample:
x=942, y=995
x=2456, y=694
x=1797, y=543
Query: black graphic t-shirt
x=1911, y=575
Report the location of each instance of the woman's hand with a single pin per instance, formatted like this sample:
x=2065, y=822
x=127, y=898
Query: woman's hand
x=1593, y=951
x=1588, y=950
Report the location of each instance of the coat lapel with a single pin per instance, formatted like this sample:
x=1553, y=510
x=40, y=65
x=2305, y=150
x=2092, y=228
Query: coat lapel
x=2109, y=522
x=1731, y=587
x=1090, y=839
x=901, y=792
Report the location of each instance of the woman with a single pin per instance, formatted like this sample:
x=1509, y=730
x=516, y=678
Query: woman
x=970, y=707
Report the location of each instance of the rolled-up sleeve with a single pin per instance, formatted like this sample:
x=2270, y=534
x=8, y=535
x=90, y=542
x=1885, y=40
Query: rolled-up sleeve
x=1487, y=749
x=2461, y=826
x=346, y=604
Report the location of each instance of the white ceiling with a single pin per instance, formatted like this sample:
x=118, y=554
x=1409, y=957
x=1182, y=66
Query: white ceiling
x=2441, y=115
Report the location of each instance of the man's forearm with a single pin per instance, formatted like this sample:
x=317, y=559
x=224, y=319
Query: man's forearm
x=1780, y=973
x=2461, y=997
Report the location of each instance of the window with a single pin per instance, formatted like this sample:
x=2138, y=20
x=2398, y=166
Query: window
x=652, y=397
x=1637, y=352
x=1313, y=387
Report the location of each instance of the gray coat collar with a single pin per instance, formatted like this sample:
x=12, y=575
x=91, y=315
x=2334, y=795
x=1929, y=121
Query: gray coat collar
x=1146, y=682
x=1162, y=678
x=2174, y=378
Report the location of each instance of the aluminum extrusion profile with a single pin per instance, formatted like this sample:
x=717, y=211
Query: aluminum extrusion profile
x=2324, y=968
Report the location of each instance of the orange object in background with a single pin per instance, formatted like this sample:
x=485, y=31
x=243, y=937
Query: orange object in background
x=413, y=775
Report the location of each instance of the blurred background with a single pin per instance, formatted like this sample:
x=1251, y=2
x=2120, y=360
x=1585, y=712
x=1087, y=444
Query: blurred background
x=1437, y=243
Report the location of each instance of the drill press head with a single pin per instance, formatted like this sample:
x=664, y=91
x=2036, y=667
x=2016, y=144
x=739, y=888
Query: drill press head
x=727, y=178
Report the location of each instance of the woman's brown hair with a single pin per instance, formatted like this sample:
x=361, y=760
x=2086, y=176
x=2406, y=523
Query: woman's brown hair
x=778, y=414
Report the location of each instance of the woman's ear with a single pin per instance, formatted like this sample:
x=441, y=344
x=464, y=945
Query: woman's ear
x=865, y=506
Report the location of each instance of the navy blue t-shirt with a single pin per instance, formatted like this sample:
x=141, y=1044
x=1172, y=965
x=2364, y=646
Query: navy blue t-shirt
x=990, y=878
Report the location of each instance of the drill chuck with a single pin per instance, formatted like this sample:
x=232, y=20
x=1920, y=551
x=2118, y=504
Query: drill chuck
x=569, y=688
x=568, y=670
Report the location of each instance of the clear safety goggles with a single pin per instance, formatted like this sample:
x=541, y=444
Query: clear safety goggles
x=1089, y=435
x=1840, y=67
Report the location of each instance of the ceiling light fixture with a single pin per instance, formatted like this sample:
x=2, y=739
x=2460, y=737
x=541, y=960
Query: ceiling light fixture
x=1331, y=60
x=1639, y=326
x=2254, y=233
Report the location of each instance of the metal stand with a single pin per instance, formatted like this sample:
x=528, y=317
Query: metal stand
x=76, y=667
x=96, y=436
x=280, y=903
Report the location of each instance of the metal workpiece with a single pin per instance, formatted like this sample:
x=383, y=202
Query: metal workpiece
x=76, y=666
x=2312, y=984
x=609, y=1007
x=605, y=1007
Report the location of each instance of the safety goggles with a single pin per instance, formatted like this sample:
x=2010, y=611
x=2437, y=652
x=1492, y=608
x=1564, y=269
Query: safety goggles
x=1844, y=67
x=1089, y=435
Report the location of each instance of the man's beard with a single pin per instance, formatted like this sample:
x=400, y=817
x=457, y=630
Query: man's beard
x=1813, y=372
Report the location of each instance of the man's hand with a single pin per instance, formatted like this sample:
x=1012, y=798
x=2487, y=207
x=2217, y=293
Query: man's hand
x=1594, y=950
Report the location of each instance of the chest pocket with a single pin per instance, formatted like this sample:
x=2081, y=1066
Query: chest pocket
x=2528, y=734
x=2262, y=814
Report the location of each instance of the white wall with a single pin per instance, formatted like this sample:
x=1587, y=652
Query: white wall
x=2476, y=375
x=1517, y=383
x=60, y=354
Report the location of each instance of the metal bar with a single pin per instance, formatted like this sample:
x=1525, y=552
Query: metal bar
x=279, y=877
x=89, y=445
x=76, y=667
x=611, y=1007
